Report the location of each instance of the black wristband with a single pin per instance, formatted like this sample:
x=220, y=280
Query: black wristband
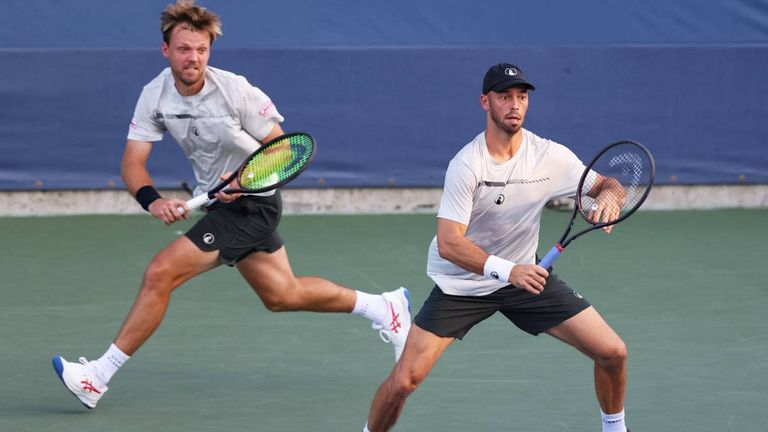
x=146, y=195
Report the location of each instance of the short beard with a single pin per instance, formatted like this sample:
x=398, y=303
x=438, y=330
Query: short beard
x=500, y=124
x=179, y=76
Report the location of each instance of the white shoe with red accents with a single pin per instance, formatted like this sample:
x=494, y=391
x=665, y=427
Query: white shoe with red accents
x=395, y=328
x=81, y=380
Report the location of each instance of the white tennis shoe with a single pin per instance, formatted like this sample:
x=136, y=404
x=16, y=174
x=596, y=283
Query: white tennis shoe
x=395, y=328
x=81, y=380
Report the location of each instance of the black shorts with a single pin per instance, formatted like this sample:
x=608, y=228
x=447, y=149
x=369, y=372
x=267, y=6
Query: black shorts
x=237, y=229
x=452, y=316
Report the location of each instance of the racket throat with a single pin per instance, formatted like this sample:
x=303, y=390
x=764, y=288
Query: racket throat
x=551, y=256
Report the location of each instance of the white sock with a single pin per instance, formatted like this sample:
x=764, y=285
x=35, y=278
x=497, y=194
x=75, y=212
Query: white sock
x=365, y=428
x=613, y=422
x=110, y=362
x=373, y=307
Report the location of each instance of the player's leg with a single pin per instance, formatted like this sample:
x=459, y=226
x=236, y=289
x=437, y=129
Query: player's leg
x=568, y=316
x=589, y=333
x=271, y=276
x=177, y=263
x=442, y=319
x=171, y=267
x=257, y=248
x=421, y=353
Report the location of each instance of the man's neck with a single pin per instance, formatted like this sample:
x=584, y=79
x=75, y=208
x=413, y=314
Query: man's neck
x=503, y=146
x=186, y=90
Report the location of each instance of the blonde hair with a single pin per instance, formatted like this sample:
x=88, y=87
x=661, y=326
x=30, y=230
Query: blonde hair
x=187, y=15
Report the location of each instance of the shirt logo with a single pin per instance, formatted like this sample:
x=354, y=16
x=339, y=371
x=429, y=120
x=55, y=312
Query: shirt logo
x=266, y=109
x=499, y=199
x=134, y=123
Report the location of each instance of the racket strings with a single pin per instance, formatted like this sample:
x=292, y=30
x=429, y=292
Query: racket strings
x=628, y=171
x=276, y=163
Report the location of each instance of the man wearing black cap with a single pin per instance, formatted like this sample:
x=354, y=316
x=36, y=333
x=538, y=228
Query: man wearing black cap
x=483, y=258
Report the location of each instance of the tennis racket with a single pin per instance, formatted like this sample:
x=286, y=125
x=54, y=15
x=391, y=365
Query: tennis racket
x=613, y=186
x=274, y=164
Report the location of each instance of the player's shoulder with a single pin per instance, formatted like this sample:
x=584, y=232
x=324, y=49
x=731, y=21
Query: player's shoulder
x=157, y=83
x=153, y=90
x=471, y=152
x=221, y=76
x=537, y=140
x=236, y=89
x=469, y=157
x=542, y=145
x=472, y=149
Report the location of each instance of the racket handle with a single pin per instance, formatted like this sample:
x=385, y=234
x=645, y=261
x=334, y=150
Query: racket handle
x=194, y=203
x=551, y=256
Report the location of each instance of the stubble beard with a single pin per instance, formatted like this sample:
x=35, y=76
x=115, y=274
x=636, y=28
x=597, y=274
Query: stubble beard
x=503, y=126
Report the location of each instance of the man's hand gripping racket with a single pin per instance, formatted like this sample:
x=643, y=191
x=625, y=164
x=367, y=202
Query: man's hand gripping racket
x=274, y=164
x=613, y=186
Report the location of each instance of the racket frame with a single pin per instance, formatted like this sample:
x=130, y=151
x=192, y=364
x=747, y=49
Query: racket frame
x=560, y=246
x=205, y=197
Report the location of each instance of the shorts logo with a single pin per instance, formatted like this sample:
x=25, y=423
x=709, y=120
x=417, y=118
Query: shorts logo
x=208, y=238
x=499, y=199
x=577, y=294
x=494, y=275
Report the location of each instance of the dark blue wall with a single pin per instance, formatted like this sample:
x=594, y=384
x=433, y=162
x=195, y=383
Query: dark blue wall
x=362, y=23
x=390, y=89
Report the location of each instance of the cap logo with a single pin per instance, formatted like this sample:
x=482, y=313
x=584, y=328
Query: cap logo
x=510, y=71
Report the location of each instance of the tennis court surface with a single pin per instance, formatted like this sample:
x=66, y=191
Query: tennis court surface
x=687, y=290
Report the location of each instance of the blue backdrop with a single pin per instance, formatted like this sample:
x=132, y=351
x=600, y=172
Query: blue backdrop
x=390, y=89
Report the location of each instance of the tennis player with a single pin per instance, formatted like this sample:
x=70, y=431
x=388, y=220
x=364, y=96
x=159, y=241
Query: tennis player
x=218, y=119
x=483, y=257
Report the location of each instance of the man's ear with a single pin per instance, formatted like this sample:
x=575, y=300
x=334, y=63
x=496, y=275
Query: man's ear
x=164, y=48
x=484, y=102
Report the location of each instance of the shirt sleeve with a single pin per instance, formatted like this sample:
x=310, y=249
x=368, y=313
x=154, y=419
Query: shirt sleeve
x=258, y=113
x=458, y=192
x=145, y=126
x=567, y=169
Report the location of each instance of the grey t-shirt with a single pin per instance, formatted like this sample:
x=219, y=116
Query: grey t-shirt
x=501, y=205
x=216, y=128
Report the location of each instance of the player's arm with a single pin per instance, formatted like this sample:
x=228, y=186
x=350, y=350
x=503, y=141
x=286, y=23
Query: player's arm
x=453, y=245
x=274, y=133
x=133, y=168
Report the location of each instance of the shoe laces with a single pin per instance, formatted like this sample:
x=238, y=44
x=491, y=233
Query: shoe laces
x=83, y=360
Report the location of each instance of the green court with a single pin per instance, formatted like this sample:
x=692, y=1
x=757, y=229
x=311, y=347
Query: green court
x=687, y=290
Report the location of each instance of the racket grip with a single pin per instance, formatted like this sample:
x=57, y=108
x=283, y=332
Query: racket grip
x=194, y=203
x=551, y=256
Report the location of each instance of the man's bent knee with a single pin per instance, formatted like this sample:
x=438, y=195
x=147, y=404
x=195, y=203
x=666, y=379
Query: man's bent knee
x=281, y=302
x=276, y=304
x=405, y=383
x=614, y=357
x=157, y=273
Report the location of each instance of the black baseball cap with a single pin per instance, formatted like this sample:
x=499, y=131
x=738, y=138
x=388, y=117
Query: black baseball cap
x=503, y=76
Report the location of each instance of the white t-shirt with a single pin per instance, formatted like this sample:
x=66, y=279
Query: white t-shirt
x=501, y=205
x=216, y=128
